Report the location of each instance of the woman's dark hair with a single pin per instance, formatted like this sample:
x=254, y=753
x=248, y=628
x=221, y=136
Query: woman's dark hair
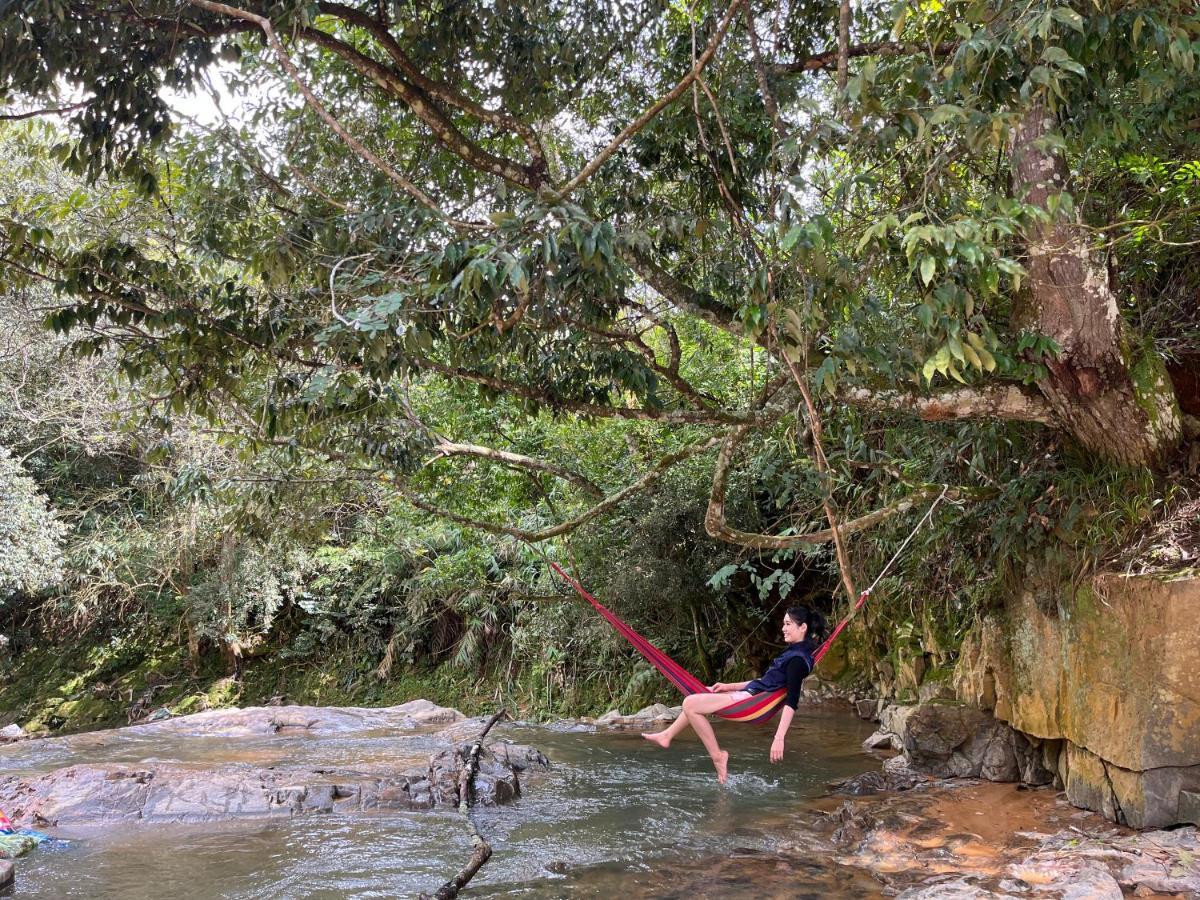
x=802, y=615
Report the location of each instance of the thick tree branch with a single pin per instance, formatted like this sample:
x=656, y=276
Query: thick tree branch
x=829, y=59
x=717, y=527
x=435, y=89
x=760, y=74
x=995, y=401
x=682, y=295
x=423, y=107
x=35, y=113
x=843, y=51
x=311, y=99
x=515, y=460
x=655, y=108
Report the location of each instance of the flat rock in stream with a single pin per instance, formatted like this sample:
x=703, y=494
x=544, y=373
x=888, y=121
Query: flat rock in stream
x=960, y=840
x=93, y=794
x=152, y=791
x=315, y=720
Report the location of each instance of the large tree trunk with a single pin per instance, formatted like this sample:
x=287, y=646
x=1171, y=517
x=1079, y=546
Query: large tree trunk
x=1108, y=388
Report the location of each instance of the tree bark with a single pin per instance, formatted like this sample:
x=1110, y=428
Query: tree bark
x=1107, y=389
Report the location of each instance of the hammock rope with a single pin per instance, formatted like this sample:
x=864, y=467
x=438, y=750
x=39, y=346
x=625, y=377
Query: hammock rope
x=758, y=707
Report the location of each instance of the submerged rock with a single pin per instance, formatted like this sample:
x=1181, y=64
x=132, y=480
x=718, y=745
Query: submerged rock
x=13, y=846
x=978, y=840
x=958, y=889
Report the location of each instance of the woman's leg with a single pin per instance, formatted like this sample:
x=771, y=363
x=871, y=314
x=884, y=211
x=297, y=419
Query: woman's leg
x=663, y=738
x=695, y=708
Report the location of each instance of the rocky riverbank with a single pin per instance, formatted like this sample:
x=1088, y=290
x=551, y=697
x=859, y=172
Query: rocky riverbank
x=264, y=783
x=970, y=839
x=964, y=807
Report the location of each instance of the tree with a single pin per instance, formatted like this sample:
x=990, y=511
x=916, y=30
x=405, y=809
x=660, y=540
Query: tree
x=547, y=203
x=30, y=536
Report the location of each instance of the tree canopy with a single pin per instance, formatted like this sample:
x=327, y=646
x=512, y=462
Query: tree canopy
x=697, y=217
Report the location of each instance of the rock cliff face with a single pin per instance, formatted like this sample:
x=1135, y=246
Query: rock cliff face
x=1108, y=676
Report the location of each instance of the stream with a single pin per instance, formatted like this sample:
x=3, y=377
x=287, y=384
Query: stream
x=614, y=815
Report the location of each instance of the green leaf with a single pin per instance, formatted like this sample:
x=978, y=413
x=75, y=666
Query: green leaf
x=928, y=269
x=1068, y=17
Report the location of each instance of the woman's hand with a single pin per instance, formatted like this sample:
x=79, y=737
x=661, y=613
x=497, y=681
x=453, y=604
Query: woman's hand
x=722, y=688
x=777, y=750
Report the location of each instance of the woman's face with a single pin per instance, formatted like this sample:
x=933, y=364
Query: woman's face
x=793, y=633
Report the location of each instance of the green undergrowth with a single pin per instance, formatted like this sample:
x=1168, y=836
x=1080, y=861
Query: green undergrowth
x=93, y=681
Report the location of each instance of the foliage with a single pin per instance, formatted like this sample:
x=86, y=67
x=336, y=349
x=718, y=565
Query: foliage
x=421, y=282
x=30, y=535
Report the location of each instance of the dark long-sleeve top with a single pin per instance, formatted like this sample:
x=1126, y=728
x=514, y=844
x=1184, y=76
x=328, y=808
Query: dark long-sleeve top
x=797, y=670
x=788, y=670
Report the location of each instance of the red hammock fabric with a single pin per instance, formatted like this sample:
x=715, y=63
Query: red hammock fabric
x=756, y=708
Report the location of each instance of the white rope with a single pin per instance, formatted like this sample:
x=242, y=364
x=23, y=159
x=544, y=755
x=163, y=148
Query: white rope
x=907, y=540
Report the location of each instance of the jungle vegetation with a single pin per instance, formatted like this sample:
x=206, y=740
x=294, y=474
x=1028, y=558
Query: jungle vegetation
x=430, y=292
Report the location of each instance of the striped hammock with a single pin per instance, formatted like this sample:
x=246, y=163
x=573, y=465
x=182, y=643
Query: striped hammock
x=755, y=708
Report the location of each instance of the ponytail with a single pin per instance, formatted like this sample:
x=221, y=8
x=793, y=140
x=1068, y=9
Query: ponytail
x=803, y=615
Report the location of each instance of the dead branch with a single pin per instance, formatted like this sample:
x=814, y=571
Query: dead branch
x=466, y=791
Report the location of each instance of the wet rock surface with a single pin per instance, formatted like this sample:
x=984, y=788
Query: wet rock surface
x=155, y=791
x=957, y=840
x=6, y=874
x=1107, y=670
x=955, y=740
x=659, y=715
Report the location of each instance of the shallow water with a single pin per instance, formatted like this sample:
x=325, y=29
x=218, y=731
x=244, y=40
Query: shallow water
x=613, y=816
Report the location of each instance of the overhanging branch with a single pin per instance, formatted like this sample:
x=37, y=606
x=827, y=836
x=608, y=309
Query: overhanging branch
x=1011, y=402
x=829, y=59
x=545, y=534
x=717, y=526
x=517, y=461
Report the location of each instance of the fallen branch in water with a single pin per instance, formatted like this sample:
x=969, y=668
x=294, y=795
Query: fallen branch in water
x=466, y=789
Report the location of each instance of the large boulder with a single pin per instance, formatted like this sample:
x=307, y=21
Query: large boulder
x=6, y=874
x=954, y=740
x=1107, y=670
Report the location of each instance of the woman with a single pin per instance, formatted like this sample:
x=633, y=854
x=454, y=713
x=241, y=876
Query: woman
x=802, y=627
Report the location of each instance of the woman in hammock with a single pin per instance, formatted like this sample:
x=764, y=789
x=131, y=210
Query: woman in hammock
x=803, y=629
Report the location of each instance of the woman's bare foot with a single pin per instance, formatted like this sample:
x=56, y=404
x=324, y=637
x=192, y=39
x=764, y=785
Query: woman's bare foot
x=721, y=762
x=658, y=737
